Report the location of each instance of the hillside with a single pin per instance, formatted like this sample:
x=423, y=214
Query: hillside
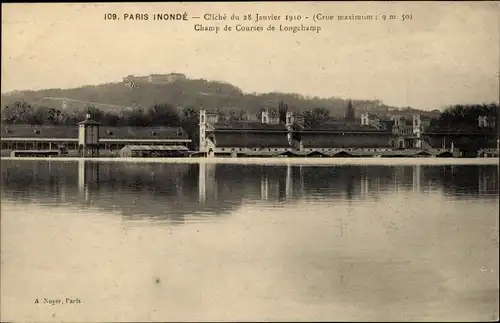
x=114, y=97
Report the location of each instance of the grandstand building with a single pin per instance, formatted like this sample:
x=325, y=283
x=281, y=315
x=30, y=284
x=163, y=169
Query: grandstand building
x=273, y=137
x=28, y=137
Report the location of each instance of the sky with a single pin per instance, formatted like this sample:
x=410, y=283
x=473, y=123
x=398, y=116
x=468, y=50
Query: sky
x=447, y=53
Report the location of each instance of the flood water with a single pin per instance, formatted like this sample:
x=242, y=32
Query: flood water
x=184, y=242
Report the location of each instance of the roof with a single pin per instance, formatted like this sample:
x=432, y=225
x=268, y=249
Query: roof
x=89, y=122
x=105, y=132
x=338, y=126
x=293, y=153
x=169, y=148
x=251, y=140
x=368, y=153
x=458, y=131
x=247, y=125
x=263, y=153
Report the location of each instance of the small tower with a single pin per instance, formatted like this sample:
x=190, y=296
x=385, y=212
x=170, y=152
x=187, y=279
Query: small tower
x=88, y=137
x=482, y=121
x=417, y=130
x=365, y=119
x=265, y=116
x=289, y=118
x=203, y=129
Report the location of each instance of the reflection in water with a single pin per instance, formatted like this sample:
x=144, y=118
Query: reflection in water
x=173, y=191
x=209, y=242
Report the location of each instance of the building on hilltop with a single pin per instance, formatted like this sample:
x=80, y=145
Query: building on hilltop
x=155, y=78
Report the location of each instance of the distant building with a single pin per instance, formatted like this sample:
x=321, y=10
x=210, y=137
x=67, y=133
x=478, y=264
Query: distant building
x=408, y=131
x=487, y=122
x=155, y=78
x=268, y=117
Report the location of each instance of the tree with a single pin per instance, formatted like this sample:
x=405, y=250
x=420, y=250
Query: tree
x=349, y=115
x=18, y=112
x=164, y=115
x=110, y=119
x=95, y=113
x=190, y=124
x=282, y=111
x=320, y=113
x=134, y=118
x=465, y=116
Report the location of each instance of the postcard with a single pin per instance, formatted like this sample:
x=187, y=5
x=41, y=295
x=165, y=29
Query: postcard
x=250, y=161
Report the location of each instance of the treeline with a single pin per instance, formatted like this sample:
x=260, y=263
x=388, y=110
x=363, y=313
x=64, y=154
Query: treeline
x=161, y=114
x=20, y=112
x=158, y=115
x=464, y=116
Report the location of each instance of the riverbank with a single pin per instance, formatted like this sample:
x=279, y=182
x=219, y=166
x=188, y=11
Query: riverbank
x=275, y=161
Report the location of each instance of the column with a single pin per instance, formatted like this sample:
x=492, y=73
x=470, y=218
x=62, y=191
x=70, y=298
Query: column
x=417, y=171
x=81, y=175
x=264, y=187
x=202, y=193
x=364, y=185
x=289, y=182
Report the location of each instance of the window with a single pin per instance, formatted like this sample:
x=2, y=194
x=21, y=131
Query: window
x=7, y=130
x=154, y=133
x=36, y=131
x=109, y=133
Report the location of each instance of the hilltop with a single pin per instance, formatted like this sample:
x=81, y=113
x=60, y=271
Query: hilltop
x=187, y=93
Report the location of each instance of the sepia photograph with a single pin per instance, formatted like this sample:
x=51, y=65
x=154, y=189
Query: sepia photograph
x=250, y=161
